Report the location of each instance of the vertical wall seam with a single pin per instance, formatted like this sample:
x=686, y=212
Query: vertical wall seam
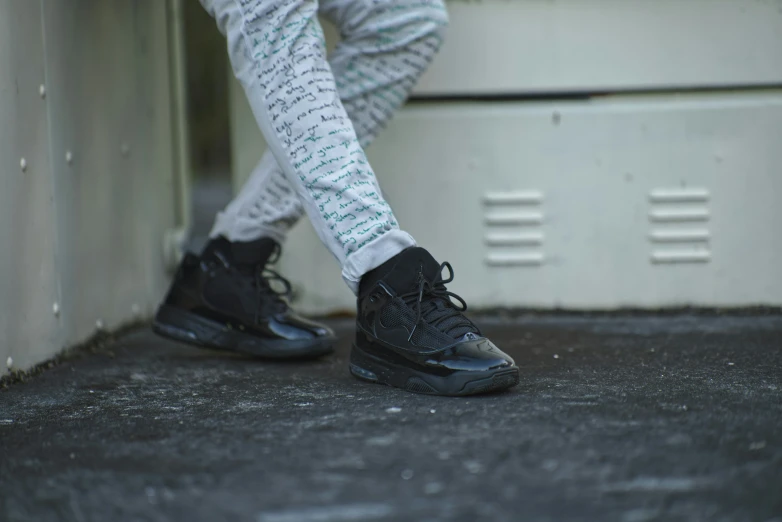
x=58, y=338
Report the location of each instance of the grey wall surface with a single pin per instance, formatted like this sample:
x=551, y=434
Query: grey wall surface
x=87, y=161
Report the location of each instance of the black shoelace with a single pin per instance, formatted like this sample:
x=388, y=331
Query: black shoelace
x=265, y=293
x=432, y=302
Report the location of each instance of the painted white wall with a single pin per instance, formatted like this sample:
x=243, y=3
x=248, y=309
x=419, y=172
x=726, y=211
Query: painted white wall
x=625, y=200
x=85, y=100
x=520, y=46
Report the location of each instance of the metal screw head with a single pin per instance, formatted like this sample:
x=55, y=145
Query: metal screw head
x=68, y=157
x=56, y=309
x=9, y=362
x=42, y=91
x=23, y=164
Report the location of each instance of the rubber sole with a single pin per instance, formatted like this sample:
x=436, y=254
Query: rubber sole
x=183, y=326
x=372, y=369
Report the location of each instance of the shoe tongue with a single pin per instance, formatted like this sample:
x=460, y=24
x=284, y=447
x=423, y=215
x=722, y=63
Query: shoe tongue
x=253, y=253
x=246, y=255
x=418, y=259
x=403, y=276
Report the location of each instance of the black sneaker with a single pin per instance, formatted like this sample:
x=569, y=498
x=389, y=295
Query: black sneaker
x=412, y=336
x=224, y=299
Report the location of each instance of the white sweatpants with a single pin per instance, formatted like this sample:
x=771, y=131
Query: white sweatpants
x=317, y=116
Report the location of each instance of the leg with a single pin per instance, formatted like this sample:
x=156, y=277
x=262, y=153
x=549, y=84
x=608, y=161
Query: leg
x=278, y=54
x=266, y=206
x=223, y=298
x=409, y=332
x=383, y=51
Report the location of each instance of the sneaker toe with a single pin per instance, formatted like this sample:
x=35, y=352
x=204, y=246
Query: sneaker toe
x=293, y=327
x=475, y=355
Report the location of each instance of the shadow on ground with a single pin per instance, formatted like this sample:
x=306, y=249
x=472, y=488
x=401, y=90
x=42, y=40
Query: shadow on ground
x=616, y=418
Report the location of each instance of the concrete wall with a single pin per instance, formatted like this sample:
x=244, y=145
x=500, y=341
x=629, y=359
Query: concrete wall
x=87, y=162
x=631, y=194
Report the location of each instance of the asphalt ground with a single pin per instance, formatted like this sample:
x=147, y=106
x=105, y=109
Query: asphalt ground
x=629, y=417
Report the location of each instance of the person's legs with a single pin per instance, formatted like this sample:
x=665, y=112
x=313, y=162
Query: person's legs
x=384, y=49
x=278, y=54
x=222, y=298
x=409, y=333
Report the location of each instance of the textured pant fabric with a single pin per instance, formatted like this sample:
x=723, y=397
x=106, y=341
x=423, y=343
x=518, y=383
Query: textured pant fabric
x=318, y=114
